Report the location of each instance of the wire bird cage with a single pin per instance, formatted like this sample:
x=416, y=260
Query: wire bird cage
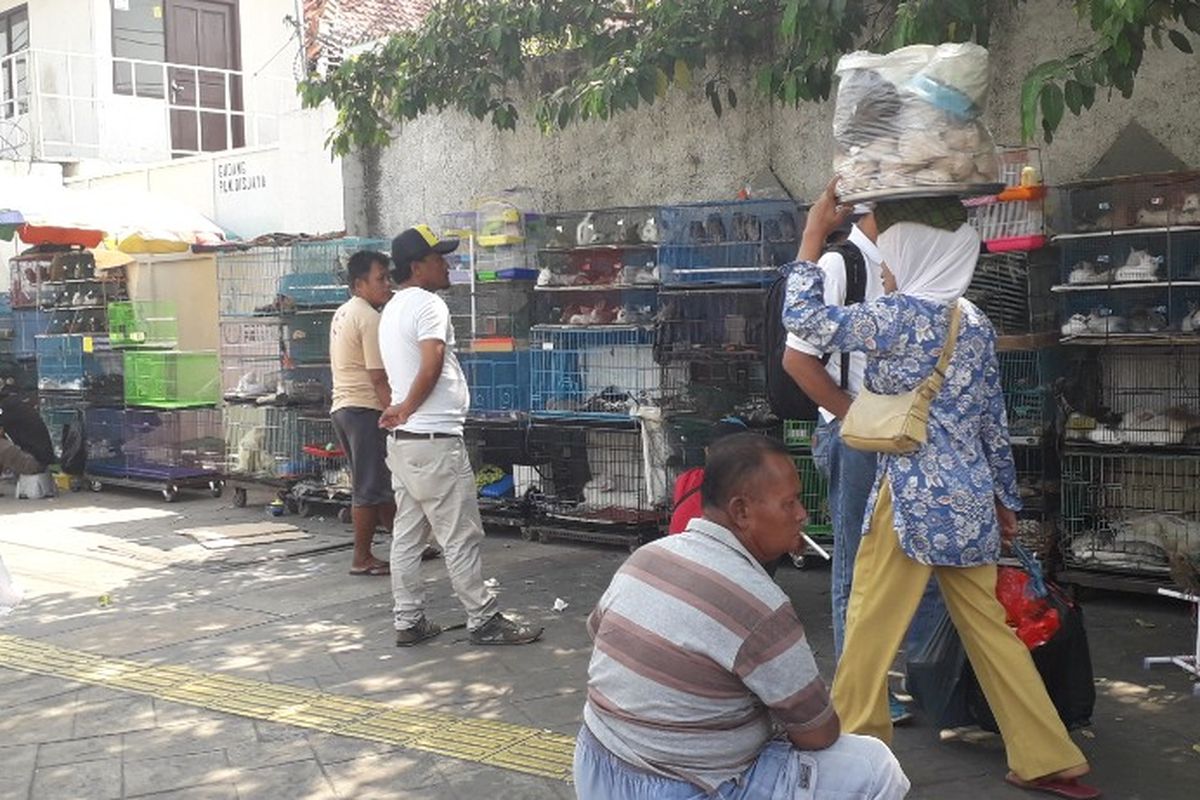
x=697, y=323
x=497, y=450
x=251, y=357
x=57, y=412
x=1014, y=220
x=322, y=457
x=716, y=387
x=1013, y=290
x=1136, y=396
x=593, y=371
x=603, y=483
x=171, y=378
x=636, y=226
x=1146, y=201
x=58, y=293
x=603, y=304
x=597, y=266
x=262, y=444
x=306, y=336
x=143, y=324
x=1128, y=513
x=499, y=382
x=1037, y=470
x=498, y=310
x=152, y=445
x=1027, y=378
x=741, y=242
x=80, y=364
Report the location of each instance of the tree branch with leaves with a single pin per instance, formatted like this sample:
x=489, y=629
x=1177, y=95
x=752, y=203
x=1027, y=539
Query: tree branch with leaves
x=612, y=56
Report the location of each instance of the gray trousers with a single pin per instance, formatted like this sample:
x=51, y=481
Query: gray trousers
x=434, y=485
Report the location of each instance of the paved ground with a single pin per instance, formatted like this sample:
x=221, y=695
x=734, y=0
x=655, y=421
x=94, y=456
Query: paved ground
x=107, y=576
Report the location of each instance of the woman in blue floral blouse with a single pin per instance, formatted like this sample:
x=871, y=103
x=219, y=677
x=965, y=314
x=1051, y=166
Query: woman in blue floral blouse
x=944, y=509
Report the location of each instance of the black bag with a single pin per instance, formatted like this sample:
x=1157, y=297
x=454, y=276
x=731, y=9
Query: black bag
x=74, y=447
x=1065, y=664
x=938, y=677
x=786, y=399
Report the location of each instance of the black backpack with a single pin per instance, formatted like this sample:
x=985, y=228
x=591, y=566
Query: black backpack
x=787, y=400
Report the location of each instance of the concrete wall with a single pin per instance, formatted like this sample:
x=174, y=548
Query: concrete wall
x=678, y=150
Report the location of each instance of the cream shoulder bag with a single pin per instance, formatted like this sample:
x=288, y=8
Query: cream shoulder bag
x=899, y=423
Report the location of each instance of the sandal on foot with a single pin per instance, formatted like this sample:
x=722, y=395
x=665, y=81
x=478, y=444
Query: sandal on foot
x=374, y=570
x=1062, y=787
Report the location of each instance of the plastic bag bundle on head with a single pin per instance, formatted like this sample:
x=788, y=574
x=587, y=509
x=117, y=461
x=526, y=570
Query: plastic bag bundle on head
x=912, y=119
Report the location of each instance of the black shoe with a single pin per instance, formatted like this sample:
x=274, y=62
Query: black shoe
x=423, y=630
x=501, y=630
x=430, y=552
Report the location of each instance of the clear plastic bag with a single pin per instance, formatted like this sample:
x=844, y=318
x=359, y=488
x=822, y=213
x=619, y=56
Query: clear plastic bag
x=10, y=591
x=912, y=120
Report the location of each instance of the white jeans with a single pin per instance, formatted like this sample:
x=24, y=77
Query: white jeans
x=435, y=486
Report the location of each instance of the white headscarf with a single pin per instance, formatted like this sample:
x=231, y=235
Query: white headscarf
x=930, y=263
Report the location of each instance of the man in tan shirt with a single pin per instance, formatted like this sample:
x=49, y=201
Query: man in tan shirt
x=360, y=393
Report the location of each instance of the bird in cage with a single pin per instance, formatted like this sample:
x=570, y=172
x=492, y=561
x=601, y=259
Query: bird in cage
x=714, y=229
x=585, y=231
x=1189, y=210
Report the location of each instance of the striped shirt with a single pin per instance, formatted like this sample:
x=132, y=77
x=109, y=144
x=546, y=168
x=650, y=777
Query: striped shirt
x=698, y=656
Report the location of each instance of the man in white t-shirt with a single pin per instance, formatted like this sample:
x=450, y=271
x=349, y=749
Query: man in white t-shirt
x=850, y=473
x=431, y=475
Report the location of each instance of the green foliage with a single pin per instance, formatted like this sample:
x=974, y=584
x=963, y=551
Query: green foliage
x=609, y=56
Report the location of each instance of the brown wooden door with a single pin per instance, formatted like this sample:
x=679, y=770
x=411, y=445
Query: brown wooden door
x=204, y=33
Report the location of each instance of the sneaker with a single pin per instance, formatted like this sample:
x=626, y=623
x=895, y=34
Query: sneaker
x=430, y=552
x=501, y=630
x=423, y=630
x=899, y=712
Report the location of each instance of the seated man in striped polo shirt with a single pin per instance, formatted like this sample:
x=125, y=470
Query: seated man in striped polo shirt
x=701, y=681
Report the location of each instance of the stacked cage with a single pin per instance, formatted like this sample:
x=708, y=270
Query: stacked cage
x=276, y=305
x=491, y=309
x=162, y=431
x=17, y=376
x=1130, y=292
x=741, y=243
x=1014, y=219
x=597, y=446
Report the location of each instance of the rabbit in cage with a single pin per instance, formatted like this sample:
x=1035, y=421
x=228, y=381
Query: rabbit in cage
x=252, y=456
x=1191, y=320
x=649, y=231
x=1140, y=266
x=1102, y=321
x=1148, y=320
x=1086, y=272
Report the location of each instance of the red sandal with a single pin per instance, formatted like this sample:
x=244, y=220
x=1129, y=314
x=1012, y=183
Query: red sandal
x=1062, y=787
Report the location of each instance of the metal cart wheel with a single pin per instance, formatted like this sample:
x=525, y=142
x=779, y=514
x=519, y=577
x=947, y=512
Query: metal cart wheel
x=96, y=486
x=303, y=508
x=216, y=488
x=530, y=535
x=291, y=504
x=239, y=497
x=344, y=515
x=170, y=493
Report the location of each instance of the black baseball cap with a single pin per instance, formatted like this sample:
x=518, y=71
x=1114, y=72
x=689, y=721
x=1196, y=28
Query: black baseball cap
x=417, y=242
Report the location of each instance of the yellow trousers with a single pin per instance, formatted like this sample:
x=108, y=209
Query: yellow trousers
x=887, y=588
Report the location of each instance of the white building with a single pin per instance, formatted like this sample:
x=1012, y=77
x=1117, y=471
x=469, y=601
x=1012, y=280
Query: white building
x=191, y=99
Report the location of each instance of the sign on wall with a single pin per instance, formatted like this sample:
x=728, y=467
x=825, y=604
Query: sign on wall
x=246, y=194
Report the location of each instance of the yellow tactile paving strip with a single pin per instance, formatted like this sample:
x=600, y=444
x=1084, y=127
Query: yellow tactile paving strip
x=497, y=744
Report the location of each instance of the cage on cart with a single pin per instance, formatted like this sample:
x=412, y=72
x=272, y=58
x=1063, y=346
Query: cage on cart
x=165, y=450
x=595, y=266
x=603, y=482
x=262, y=445
x=741, y=242
x=1130, y=512
x=309, y=386
x=77, y=363
x=1133, y=258
x=251, y=354
x=500, y=309
x=58, y=410
x=633, y=225
x=698, y=321
x=321, y=456
x=497, y=450
x=1013, y=290
x=606, y=371
x=1141, y=396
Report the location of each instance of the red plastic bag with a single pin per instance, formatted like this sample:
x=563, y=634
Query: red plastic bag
x=1033, y=618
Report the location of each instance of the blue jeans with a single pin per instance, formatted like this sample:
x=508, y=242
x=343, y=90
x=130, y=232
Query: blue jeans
x=854, y=768
x=851, y=476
